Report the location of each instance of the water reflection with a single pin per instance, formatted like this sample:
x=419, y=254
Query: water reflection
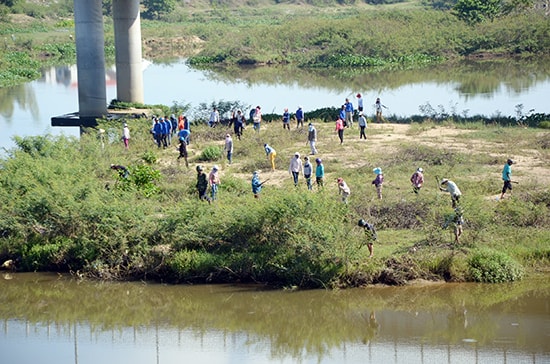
x=461, y=323
x=465, y=88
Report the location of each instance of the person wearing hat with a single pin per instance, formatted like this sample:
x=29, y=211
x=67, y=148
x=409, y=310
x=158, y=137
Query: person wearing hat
x=370, y=231
x=202, y=184
x=214, y=181
x=312, y=138
x=447, y=185
x=126, y=135
x=183, y=151
x=343, y=189
x=319, y=172
x=271, y=154
x=299, y=117
x=228, y=147
x=308, y=170
x=359, y=102
x=256, y=184
x=417, y=180
x=378, y=181
x=295, y=167
x=507, y=177
x=362, y=121
x=378, y=107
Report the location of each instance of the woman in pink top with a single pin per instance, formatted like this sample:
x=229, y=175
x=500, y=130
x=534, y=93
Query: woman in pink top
x=340, y=129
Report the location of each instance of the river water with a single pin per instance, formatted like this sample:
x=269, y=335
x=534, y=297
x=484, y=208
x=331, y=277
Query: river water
x=488, y=88
x=47, y=319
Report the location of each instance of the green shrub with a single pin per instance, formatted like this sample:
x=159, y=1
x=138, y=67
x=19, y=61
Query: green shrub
x=192, y=264
x=211, y=153
x=493, y=267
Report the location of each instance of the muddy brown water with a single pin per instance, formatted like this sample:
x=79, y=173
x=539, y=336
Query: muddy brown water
x=47, y=318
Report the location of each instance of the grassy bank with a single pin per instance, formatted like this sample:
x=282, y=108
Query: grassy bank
x=63, y=209
x=355, y=36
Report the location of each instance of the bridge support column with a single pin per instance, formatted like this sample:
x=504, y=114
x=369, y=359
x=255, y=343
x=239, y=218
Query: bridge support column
x=90, y=58
x=129, y=70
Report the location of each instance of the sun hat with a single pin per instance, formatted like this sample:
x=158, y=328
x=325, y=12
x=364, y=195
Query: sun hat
x=361, y=222
x=215, y=168
x=377, y=170
x=444, y=180
x=339, y=180
x=318, y=160
x=420, y=169
x=199, y=168
x=510, y=161
x=297, y=154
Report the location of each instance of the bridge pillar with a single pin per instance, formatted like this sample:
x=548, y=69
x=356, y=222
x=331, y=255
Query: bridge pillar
x=90, y=58
x=129, y=71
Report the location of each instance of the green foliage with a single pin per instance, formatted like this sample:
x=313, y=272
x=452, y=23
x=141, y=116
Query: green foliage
x=155, y=9
x=475, y=11
x=143, y=178
x=211, y=153
x=517, y=213
x=494, y=267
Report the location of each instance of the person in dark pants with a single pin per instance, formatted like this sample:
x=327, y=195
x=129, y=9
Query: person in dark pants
x=202, y=184
x=183, y=151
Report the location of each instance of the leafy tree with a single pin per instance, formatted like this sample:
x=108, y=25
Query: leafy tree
x=476, y=11
x=157, y=8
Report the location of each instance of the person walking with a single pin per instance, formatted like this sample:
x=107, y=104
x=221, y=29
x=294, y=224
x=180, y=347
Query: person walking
x=370, y=231
x=507, y=177
x=299, y=117
x=308, y=170
x=157, y=132
x=362, y=126
x=447, y=185
x=312, y=138
x=319, y=173
x=340, y=129
x=343, y=190
x=183, y=151
x=295, y=167
x=238, y=123
x=228, y=147
x=214, y=181
x=378, y=181
x=378, y=108
x=202, y=184
x=271, y=154
x=286, y=119
x=126, y=136
x=417, y=180
x=256, y=184
x=349, y=113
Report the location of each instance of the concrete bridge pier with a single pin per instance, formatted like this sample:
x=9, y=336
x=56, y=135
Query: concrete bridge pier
x=129, y=71
x=90, y=59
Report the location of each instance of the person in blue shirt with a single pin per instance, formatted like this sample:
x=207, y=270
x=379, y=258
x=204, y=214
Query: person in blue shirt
x=286, y=119
x=507, y=178
x=157, y=132
x=342, y=114
x=256, y=184
x=299, y=117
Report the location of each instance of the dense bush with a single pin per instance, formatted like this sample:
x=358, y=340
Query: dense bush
x=494, y=267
